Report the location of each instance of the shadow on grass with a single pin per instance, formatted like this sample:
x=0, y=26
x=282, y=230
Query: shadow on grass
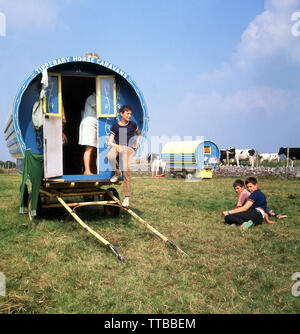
x=88, y=215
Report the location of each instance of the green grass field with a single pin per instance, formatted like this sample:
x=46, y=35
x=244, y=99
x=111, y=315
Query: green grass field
x=53, y=266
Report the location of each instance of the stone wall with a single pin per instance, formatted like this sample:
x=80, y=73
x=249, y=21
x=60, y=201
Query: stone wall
x=260, y=171
x=142, y=167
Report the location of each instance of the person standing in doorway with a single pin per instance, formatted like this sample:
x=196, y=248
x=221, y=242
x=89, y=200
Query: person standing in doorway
x=88, y=135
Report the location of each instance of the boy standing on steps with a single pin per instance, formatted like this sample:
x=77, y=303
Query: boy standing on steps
x=122, y=143
x=252, y=212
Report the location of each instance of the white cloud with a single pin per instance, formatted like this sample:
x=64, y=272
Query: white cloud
x=269, y=101
x=255, y=83
x=284, y=5
x=261, y=117
x=25, y=15
x=269, y=34
x=267, y=39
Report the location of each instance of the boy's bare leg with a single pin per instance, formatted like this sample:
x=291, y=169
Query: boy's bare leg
x=112, y=159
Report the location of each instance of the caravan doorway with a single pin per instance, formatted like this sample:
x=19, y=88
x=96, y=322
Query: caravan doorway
x=75, y=91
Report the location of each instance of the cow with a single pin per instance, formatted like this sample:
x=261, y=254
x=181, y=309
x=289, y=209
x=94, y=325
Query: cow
x=294, y=153
x=246, y=154
x=151, y=157
x=223, y=155
x=269, y=157
x=156, y=165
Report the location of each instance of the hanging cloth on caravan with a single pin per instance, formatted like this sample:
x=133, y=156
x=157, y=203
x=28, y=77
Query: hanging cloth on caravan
x=37, y=110
x=34, y=167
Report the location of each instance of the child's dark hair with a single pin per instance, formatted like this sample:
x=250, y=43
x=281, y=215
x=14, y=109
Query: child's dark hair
x=252, y=180
x=238, y=183
x=124, y=108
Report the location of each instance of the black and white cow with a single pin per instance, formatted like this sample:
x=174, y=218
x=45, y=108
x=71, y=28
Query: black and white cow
x=269, y=157
x=294, y=153
x=246, y=154
x=223, y=155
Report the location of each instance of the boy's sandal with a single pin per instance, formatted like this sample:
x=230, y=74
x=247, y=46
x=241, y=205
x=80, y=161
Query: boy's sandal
x=246, y=225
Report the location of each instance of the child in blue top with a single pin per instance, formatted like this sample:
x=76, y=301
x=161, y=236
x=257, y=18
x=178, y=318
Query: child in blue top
x=122, y=142
x=252, y=212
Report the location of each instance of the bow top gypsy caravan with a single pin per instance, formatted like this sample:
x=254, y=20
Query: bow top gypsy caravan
x=61, y=87
x=42, y=129
x=70, y=81
x=190, y=158
x=55, y=93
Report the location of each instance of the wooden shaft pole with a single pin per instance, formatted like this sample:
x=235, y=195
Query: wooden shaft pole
x=87, y=228
x=152, y=229
x=98, y=236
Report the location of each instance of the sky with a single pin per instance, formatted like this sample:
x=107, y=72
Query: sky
x=225, y=70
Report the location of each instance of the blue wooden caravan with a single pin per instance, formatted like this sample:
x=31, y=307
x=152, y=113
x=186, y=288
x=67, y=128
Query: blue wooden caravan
x=70, y=81
x=191, y=157
x=58, y=168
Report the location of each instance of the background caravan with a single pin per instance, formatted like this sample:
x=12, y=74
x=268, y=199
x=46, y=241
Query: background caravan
x=191, y=158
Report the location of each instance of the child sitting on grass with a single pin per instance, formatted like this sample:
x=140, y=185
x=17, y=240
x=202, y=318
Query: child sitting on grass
x=239, y=188
x=252, y=212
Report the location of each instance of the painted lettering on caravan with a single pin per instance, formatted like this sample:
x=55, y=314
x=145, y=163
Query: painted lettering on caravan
x=112, y=67
x=101, y=63
x=63, y=60
x=52, y=63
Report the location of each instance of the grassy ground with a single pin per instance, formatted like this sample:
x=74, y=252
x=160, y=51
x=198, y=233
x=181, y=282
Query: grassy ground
x=54, y=266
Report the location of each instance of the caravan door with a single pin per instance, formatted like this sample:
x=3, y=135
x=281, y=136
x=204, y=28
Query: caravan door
x=52, y=106
x=106, y=113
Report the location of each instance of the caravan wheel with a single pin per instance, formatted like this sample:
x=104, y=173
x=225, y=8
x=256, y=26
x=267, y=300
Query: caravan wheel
x=189, y=176
x=110, y=210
